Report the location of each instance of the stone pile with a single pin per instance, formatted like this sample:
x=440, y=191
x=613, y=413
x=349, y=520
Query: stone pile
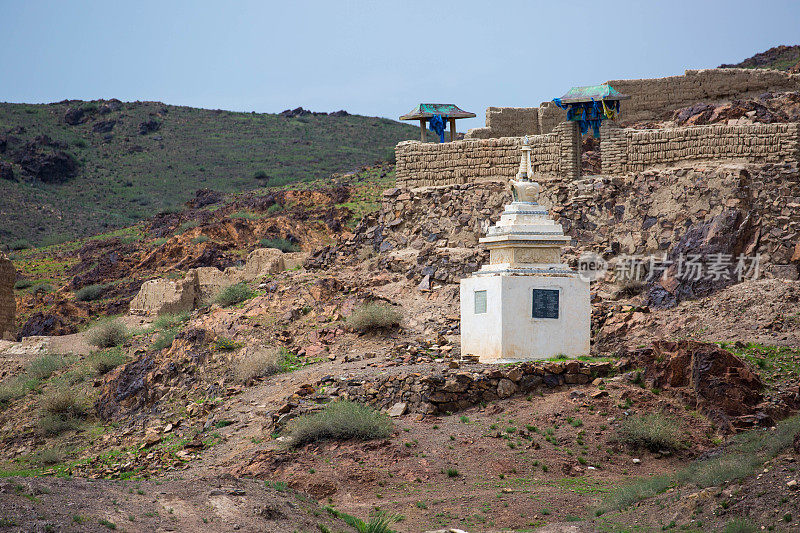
x=8, y=305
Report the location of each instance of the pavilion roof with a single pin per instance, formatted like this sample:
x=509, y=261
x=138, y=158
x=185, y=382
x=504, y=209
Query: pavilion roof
x=428, y=110
x=592, y=92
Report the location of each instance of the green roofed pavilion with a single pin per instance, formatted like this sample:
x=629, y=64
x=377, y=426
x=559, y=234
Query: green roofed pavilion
x=448, y=112
x=592, y=92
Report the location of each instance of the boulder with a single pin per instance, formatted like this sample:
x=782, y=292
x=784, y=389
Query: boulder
x=720, y=384
x=161, y=296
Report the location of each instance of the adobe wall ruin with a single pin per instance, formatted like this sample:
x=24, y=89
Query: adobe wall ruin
x=651, y=99
x=623, y=151
x=629, y=150
x=423, y=164
x=8, y=305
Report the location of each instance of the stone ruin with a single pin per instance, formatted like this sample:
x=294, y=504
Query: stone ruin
x=161, y=296
x=8, y=305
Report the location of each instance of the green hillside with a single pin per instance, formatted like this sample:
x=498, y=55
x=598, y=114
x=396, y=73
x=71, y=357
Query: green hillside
x=778, y=58
x=120, y=162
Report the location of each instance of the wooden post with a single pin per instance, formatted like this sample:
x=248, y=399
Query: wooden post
x=452, y=129
x=422, y=129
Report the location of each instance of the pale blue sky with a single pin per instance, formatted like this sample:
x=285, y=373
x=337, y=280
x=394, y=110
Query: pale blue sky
x=371, y=58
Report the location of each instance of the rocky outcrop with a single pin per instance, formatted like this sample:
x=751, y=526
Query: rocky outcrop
x=8, y=305
x=713, y=380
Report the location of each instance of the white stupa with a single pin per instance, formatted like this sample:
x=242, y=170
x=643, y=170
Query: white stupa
x=525, y=304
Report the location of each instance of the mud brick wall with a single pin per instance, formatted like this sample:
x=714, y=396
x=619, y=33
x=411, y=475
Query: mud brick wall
x=656, y=98
x=630, y=150
x=651, y=99
x=8, y=306
x=425, y=164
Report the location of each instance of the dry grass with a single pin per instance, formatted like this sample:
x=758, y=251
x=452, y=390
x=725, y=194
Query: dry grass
x=44, y=366
x=340, y=420
x=654, y=431
x=255, y=363
x=374, y=315
x=108, y=334
x=64, y=401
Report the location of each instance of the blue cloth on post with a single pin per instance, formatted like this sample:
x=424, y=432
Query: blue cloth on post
x=436, y=124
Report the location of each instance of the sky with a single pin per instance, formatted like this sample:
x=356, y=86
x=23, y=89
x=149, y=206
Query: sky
x=378, y=57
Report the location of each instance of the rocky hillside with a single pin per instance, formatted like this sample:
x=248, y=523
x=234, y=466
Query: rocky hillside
x=779, y=58
x=75, y=168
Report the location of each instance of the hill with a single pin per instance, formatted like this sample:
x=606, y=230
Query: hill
x=777, y=58
x=74, y=168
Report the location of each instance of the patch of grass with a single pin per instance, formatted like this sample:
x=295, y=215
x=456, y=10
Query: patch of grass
x=234, y=294
x=652, y=431
x=44, y=366
x=108, y=333
x=257, y=363
x=22, y=284
x=740, y=525
x=375, y=315
x=745, y=453
x=164, y=339
x=452, y=472
x=171, y=320
x=629, y=288
x=245, y=215
x=50, y=456
x=340, y=420
x=201, y=239
x=104, y=361
x=107, y=523
x=283, y=245
x=90, y=293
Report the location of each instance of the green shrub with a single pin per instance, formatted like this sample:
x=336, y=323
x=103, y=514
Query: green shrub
x=740, y=525
x=20, y=244
x=164, y=339
x=54, y=424
x=375, y=315
x=340, y=420
x=261, y=176
x=108, y=334
x=171, y=320
x=50, y=456
x=631, y=493
x=245, y=215
x=283, y=245
x=185, y=226
x=257, y=363
x=275, y=209
x=89, y=293
x=224, y=344
x=22, y=284
x=201, y=239
x=234, y=294
x=106, y=360
x=652, y=431
x=11, y=389
x=44, y=366
x=41, y=287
